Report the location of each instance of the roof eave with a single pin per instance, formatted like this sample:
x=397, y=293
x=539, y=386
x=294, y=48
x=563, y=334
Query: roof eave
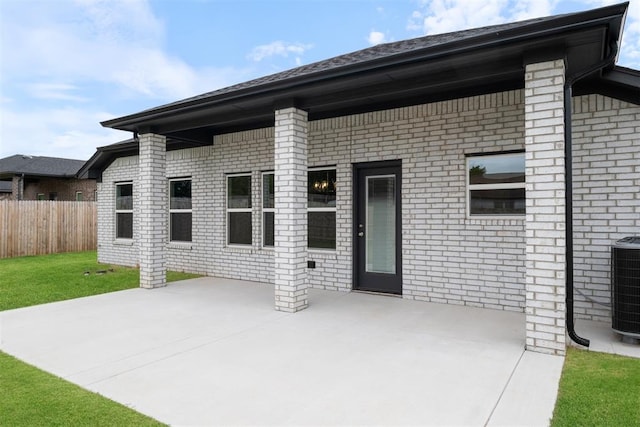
x=612, y=15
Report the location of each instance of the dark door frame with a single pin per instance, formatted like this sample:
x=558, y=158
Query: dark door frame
x=357, y=167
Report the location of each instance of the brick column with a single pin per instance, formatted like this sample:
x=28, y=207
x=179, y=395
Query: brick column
x=545, y=220
x=290, y=209
x=17, y=188
x=151, y=195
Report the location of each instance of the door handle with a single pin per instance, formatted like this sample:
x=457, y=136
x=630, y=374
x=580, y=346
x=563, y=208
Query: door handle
x=361, y=234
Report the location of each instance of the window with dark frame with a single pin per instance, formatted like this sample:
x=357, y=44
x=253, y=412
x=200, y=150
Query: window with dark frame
x=268, y=209
x=496, y=184
x=180, y=210
x=321, y=209
x=239, y=223
x=124, y=211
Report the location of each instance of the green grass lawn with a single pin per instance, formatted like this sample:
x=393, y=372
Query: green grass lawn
x=32, y=280
x=31, y=397
x=598, y=389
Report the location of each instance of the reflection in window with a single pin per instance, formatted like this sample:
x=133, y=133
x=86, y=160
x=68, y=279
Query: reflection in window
x=381, y=224
x=124, y=211
x=321, y=217
x=239, y=225
x=268, y=209
x=496, y=184
x=180, y=213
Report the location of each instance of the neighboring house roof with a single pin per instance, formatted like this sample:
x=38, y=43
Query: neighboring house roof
x=39, y=166
x=408, y=72
x=6, y=186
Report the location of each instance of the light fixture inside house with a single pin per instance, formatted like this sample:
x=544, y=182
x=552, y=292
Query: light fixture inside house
x=321, y=185
x=324, y=186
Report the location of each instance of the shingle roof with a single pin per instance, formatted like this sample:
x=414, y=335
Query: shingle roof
x=39, y=165
x=381, y=76
x=381, y=51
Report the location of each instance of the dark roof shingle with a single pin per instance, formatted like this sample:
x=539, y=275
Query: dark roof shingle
x=39, y=165
x=381, y=51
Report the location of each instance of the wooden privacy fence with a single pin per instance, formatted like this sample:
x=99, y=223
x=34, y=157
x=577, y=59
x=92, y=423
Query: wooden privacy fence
x=36, y=227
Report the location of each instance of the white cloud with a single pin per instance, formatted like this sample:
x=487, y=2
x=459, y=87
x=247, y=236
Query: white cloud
x=111, y=42
x=630, y=48
x=56, y=91
x=443, y=16
x=277, y=48
x=376, y=37
x=106, y=55
x=62, y=132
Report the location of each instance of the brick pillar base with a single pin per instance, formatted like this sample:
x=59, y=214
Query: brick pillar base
x=151, y=195
x=545, y=221
x=290, y=209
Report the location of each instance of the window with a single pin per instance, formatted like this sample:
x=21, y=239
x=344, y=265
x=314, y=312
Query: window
x=53, y=196
x=40, y=196
x=496, y=184
x=239, y=209
x=124, y=211
x=79, y=197
x=180, y=210
x=268, y=209
x=321, y=212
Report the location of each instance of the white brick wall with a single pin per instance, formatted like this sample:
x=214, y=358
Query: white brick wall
x=545, y=190
x=110, y=250
x=606, y=185
x=446, y=256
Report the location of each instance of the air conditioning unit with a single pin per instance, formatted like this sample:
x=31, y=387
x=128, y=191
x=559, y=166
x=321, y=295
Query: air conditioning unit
x=625, y=287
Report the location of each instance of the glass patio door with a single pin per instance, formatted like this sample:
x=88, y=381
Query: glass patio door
x=377, y=230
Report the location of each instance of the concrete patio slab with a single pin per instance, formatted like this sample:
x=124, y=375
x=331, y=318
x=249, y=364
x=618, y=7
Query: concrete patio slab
x=214, y=351
x=604, y=339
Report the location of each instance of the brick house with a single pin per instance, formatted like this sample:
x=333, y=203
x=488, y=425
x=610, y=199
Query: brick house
x=491, y=167
x=6, y=190
x=25, y=177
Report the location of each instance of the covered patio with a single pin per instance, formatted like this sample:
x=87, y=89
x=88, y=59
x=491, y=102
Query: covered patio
x=213, y=351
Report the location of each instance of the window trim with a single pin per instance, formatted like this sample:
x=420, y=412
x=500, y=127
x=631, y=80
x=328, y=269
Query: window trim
x=171, y=211
x=315, y=209
x=266, y=210
x=232, y=210
x=511, y=185
x=122, y=211
x=79, y=193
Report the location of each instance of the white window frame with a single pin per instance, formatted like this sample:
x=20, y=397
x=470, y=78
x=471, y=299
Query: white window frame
x=510, y=185
x=122, y=211
x=333, y=209
x=189, y=211
x=232, y=210
x=79, y=193
x=266, y=210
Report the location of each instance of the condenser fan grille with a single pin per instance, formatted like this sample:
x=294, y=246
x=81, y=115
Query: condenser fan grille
x=625, y=286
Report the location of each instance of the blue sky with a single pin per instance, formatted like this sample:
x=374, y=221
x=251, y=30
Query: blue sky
x=66, y=65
